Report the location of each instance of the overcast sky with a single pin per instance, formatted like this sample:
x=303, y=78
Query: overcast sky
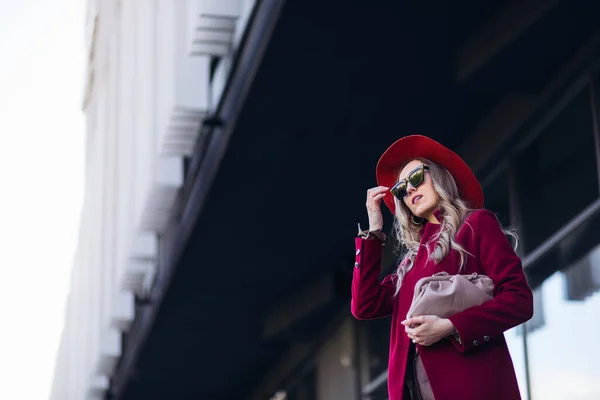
x=41, y=173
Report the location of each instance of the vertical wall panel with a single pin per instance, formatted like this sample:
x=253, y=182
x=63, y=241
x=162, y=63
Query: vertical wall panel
x=144, y=101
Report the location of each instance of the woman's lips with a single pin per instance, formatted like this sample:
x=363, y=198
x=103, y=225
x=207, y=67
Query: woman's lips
x=416, y=198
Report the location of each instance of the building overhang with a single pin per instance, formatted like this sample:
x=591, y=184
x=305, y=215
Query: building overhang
x=271, y=196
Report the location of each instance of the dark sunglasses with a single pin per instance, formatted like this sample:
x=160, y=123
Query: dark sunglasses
x=415, y=178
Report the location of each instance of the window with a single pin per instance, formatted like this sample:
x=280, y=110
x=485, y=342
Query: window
x=305, y=389
x=381, y=393
x=496, y=194
x=571, y=369
x=582, y=280
x=375, y=347
x=378, y=344
x=557, y=179
x=557, y=173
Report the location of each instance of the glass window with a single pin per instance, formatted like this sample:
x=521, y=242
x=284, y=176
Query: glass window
x=564, y=354
x=514, y=339
x=305, y=389
x=378, y=343
x=381, y=393
x=496, y=196
x=583, y=278
x=375, y=342
x=596, y=105
x=557, y=172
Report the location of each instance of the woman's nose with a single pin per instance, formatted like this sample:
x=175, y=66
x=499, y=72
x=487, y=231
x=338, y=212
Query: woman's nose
x=409, y=188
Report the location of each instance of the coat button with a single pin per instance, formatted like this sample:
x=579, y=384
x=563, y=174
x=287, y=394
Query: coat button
x=486, y=338
x=357, y=251
x=475, y=343
x=356, y=265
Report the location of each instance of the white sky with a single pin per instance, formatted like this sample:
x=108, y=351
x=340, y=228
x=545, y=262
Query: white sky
x=41, y=172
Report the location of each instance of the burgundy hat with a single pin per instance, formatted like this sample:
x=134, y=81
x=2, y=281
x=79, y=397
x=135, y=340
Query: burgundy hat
x=418, y=146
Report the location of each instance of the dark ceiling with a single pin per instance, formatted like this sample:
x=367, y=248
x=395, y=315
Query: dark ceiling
x=340, y=81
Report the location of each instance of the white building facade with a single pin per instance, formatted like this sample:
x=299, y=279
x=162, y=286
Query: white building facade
x=156, y=71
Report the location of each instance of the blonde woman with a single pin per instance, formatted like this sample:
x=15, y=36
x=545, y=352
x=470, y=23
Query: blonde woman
x=440, y=223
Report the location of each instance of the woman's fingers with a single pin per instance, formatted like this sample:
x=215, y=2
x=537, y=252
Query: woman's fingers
x=413, y=333
x=377, y=190
x=373, y=203
x=416, y=339
x=375, y=194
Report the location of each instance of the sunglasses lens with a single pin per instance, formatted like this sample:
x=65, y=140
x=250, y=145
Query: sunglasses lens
x=417, y=177
x=399, y=190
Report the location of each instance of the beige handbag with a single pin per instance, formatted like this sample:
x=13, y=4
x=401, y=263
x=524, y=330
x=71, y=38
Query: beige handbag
x=445, y=295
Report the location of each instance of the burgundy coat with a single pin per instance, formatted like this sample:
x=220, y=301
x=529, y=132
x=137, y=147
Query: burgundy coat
x=479, y=366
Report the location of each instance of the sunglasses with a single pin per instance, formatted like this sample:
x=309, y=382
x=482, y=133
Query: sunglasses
x=415, y=178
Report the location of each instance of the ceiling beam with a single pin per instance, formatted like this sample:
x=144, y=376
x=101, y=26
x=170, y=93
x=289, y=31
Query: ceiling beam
x=497, y=32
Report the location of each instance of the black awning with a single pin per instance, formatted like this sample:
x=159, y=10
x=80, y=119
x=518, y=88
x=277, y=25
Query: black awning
x=338, y=83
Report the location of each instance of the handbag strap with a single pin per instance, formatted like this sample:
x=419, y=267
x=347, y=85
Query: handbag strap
x=440, y=276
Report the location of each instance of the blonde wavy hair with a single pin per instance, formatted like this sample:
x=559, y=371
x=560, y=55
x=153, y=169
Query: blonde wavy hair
x=454, y=212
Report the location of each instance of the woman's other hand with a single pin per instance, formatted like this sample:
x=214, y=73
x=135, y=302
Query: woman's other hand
x=428, y=329
x=374, y=197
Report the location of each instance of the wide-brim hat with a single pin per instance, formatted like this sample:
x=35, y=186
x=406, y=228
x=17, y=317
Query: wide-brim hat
x=418, y=146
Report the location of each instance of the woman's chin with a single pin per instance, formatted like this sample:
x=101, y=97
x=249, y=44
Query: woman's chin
x=423, y=211
x=419, y=211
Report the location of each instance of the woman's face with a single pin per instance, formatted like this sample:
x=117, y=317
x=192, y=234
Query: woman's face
x=422, y=201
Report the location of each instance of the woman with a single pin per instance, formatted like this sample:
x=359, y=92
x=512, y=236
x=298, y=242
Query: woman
x=442, y=226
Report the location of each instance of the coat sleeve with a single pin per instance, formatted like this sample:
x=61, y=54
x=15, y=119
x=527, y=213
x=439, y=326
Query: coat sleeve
x=513, y=300
x=371, y=298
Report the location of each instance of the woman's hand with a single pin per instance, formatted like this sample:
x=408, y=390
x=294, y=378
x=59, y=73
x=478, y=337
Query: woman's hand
x=374, y=197
x=428, y=329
